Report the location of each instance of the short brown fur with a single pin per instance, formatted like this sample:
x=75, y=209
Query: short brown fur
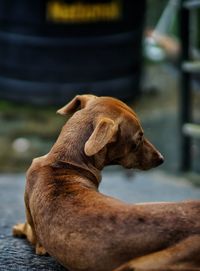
x=87, y=231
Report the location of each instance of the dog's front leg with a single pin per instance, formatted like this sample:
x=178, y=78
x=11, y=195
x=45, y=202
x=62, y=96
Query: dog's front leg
x=184, y=255
x=27, y=230
x=24, y=230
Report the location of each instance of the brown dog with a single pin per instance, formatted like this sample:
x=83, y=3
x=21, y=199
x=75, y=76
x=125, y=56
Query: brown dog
x=88, y=231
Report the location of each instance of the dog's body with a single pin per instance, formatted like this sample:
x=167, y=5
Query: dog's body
x=86, y=230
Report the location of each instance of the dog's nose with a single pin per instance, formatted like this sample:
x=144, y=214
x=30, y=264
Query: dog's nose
x=160, y=159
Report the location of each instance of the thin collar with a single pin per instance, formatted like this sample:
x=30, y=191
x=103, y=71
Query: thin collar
x=94, y=178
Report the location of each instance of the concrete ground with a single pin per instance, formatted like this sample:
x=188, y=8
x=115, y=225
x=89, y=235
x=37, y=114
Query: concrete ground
x=17, y=254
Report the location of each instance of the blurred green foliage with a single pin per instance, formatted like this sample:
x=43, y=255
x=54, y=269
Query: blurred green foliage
x=39, y=126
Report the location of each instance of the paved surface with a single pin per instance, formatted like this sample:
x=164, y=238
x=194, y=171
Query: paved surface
x=17, y=254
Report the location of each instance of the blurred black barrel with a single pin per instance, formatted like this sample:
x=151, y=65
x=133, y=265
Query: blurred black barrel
x=52, y=50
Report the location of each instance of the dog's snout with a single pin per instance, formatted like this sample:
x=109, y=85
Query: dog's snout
x=160, y=159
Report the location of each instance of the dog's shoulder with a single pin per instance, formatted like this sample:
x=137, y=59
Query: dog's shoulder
x=36, y=169
x=39, y=160
x=37, y=163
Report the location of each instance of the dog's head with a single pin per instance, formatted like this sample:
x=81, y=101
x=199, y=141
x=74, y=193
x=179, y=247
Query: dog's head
x=117, y=133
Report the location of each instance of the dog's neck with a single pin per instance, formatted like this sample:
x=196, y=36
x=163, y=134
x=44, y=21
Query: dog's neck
x=85, y=174
x=69, y=149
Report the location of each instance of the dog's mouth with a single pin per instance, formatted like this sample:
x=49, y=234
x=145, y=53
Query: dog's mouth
x=113, y=163
x=144, y=165
x=153, y=165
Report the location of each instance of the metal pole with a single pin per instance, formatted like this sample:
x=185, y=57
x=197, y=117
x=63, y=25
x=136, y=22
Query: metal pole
x=185, y=91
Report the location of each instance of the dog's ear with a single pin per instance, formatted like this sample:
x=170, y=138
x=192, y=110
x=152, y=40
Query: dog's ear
x=79, y=102
x=102, y=134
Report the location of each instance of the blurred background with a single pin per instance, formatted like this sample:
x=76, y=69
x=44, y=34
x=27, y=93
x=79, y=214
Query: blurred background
x=146, y=53
x=52, y=50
